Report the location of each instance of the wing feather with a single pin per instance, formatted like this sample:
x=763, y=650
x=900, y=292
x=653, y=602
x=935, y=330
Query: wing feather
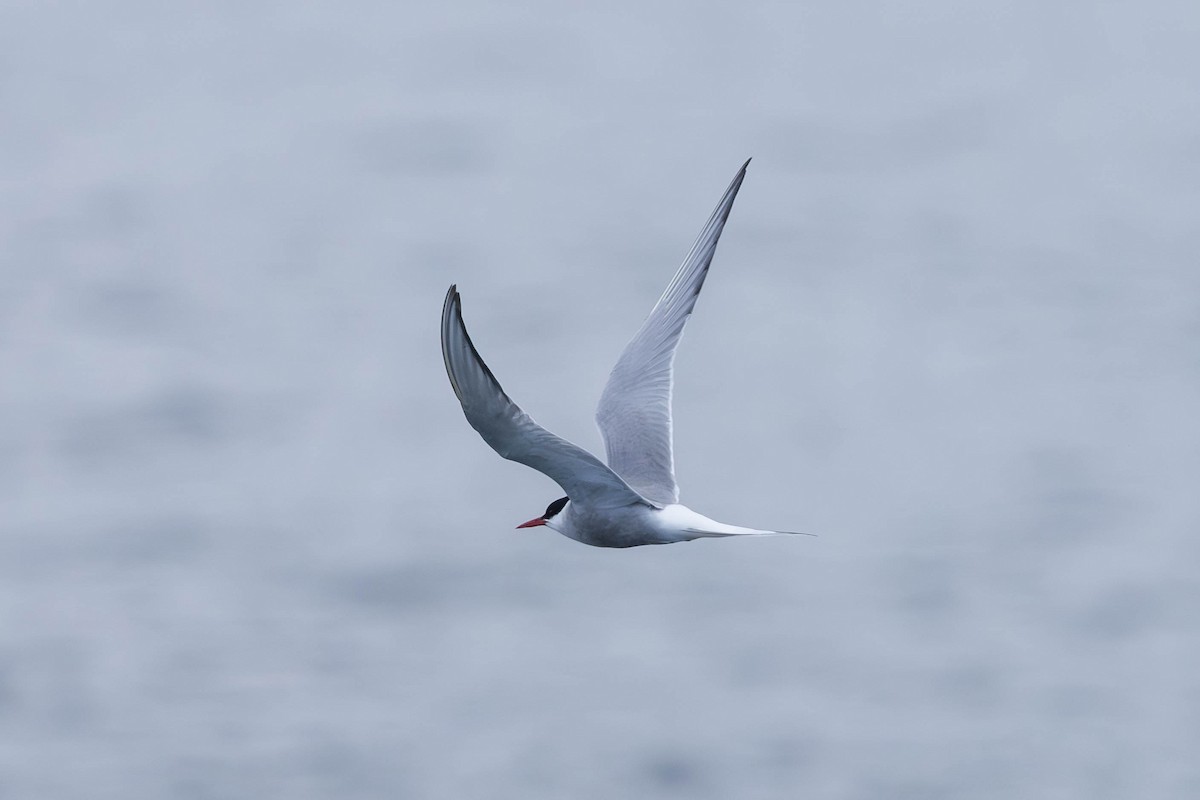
x=512, y=433
x=634, y=414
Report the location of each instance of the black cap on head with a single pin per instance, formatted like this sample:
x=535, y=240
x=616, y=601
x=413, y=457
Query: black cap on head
x=555, y=507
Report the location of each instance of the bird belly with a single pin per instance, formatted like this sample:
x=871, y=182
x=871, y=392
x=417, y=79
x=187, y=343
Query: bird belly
x=633, y=526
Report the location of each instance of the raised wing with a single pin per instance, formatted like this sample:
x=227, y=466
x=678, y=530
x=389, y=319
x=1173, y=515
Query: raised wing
x=634, y=414
x=512, y=433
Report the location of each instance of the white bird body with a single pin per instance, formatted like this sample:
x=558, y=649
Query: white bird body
x=633, y=500
x=638, y=524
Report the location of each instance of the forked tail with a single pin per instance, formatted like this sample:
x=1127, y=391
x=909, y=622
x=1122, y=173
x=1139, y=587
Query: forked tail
x=732, y=530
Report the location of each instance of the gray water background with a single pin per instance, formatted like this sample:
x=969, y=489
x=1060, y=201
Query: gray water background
x=250, y=548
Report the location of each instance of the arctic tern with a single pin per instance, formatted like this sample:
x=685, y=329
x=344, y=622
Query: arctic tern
x=634, y=499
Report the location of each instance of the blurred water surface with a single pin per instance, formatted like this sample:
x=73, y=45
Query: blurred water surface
x=251, y=548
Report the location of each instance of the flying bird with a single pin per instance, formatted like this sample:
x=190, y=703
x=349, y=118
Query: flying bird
x=633, y=500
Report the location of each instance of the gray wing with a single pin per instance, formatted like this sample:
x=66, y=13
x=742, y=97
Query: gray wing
x=634, y=414
x=512, y=433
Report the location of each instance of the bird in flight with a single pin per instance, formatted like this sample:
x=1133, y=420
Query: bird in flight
x=633, y=500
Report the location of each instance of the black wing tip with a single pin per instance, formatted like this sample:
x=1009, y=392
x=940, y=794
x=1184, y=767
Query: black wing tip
x=452, y=299
x=452, y=320
x=726, y=204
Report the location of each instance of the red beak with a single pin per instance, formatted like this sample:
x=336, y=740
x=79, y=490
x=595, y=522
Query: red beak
x=533, y=523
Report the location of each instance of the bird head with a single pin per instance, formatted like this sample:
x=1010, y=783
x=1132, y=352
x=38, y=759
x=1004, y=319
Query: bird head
x=552, y=511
